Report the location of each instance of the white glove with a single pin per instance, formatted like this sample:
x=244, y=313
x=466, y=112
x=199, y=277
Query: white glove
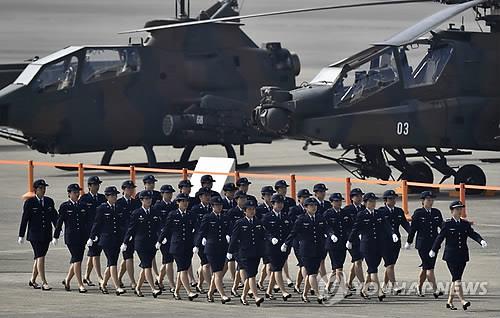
x=283, y=248
x=123, y=247
x=348, y=245
x=274, y=241
x=334, y=238
x=158, y=245
x=164, y=241
x=432, y=254
x=90, y=242
x=54, y=241
x=228, y=238
x=196, y=250
x=229, y=256
x=407, y=246
x=395, y=238
x=20, y=240
x=95, y=239
x=484, y=244
x=203, y=241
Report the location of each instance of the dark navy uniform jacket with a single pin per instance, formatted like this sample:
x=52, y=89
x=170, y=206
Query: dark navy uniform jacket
x=340, y=224
x=396, y=218
x=91, y=203
x=456, y=234
x=247, y=238
x=227, y=204
x=425, y=224
x=164, y=208
x=74, y=217
x=375, y=230
x=156, y=197
x=278, y=227
x=214, y=229
x=127, y=208
x=234, y=215
x=108, y=225
x=261, y=210
x=323, y=206
x=181, y=231
x=38, y=219
x=295, y=211
x=200, y=210
x=289, y=202
x=353, y=210
x=311, y=235
x=143, y=228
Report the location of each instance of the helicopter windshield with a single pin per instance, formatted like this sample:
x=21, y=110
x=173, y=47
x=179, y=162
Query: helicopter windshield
x=374, y=74
x=57, y=76
x=105, y=63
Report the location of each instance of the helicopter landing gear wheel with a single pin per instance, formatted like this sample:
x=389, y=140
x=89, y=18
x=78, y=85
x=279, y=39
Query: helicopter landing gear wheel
x=471, y=174
x=333, y=145
x=188, y=150
x=418, y=172
x=106, y=157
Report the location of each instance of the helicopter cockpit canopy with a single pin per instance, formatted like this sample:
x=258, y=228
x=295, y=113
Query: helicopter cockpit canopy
x=61, y=70
x=380, y=67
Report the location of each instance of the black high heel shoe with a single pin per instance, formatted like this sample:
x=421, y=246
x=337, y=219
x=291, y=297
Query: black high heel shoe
x=88, y=282
x=225, y=300
x=191, y=297
x=138, y=293
x=297, y=290
x=66, y=287
x=210, y=298
x=176, y=296
x=321, y=300
x=305, y=299
x=234, y=293
x=259, y=301
x=365, y=296
x=157, y=293
x=46, y=287
x=450, y=306
x=285, y=297
x=269, y=296
x=104, y=290
x=120, y=291
x=244, y=302
x=34, y=285
x=466, y=305
x=260, y=287
x=82, y=290
x=437, y=294
x=381, y=297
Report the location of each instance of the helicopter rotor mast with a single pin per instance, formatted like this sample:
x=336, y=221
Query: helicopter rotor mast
x=182, y=9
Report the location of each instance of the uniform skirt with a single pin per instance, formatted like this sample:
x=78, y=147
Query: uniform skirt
x=391, y=252
x=146, y=256
x=456, y=270
x=183, y=261
x=39, y=248
x=202, y=256
x=337, y=255
x=250, y=265
x=94, y=250
x=312, y=264
x=373, y=258
x=76, y=251
x=112, y=253
x=216, y=261
x=278, y=261
x=427, y=262
x=129, y=252
x=300, y=263
x=355, y=252
x=166, y=257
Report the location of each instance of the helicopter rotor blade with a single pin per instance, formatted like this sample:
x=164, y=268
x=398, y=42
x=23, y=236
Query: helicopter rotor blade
x=414, y=32
x=274, y=13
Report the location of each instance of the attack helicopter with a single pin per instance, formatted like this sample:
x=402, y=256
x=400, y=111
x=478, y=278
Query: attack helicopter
x=183, y=87
x=390, y=104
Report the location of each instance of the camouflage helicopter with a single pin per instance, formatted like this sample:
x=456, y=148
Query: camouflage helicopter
x=181, y=87
x=409, y=96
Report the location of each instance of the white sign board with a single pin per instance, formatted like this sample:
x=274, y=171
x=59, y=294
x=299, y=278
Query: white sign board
x=211, y=164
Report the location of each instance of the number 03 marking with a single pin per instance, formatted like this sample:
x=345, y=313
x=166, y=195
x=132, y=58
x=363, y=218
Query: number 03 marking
x=403, y=128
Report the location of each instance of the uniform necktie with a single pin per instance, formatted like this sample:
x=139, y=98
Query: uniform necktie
x=312, y=218
x=251, y=221
x=147, y=212
x=41, y=202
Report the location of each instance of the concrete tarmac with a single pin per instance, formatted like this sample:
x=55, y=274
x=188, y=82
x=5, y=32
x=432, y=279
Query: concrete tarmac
x=31, y=27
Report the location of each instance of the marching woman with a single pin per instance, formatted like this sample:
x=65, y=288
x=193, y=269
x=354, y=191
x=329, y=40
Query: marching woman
x=425, y=224
x=165, y=206
x=277, y=227
x=456, y=253
x=128, y=204
x=107, y=232
x=311, y=230
x=339, y=222
x=247, y=239
x=214, y=236
x=375, y=231
x=179, y=229
x=74, y=216
x=143, y=230
x=396, y=218
x=39, y=215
